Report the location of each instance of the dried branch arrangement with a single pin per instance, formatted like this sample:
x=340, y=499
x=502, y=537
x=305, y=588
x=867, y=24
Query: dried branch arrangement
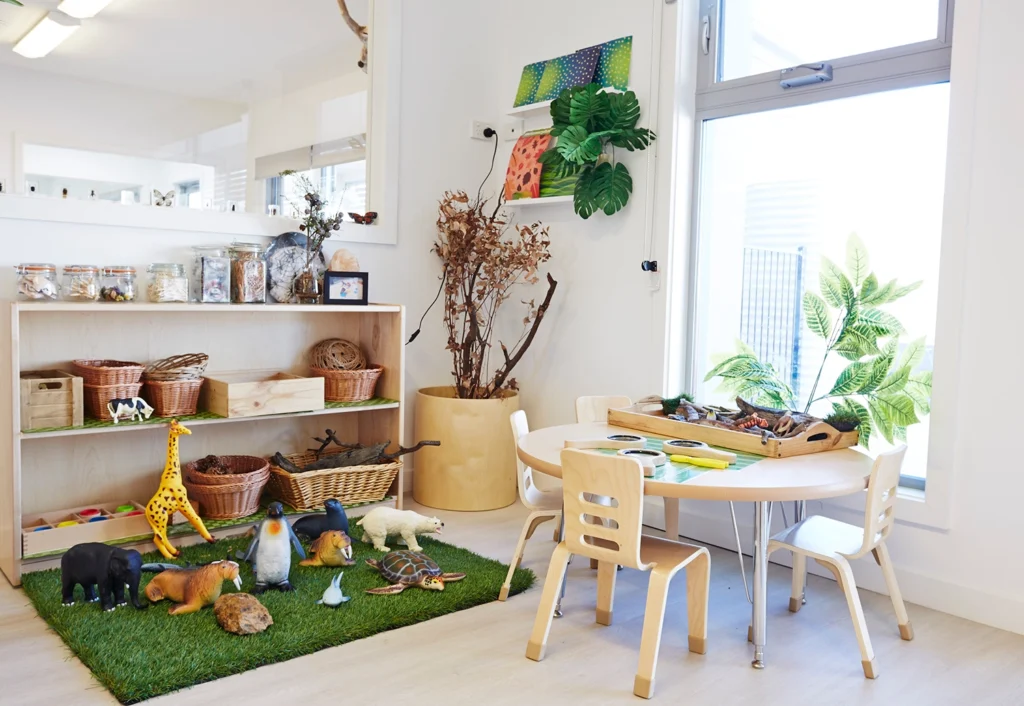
x=347, y=454
x=481, y=268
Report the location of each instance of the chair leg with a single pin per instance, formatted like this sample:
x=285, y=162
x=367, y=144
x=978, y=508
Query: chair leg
x=650, y=642
x=796, y=598
x=698, y=585
x=535, y=520
x=881, y=553
x=545, y=611
x=528, y=528
x=846, y=581
x=606, y=574
x=672, y=519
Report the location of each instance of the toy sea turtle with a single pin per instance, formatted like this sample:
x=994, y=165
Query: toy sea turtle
x=405, y=568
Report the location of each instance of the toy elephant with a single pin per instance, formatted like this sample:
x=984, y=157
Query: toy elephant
x=105, y=567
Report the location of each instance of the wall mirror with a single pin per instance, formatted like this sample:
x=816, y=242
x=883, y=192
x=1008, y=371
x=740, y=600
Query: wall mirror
x=189, y=112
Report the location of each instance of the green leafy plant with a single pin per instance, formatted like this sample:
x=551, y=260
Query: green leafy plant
x=13, y=2
x=878, y=387
x=586, y=120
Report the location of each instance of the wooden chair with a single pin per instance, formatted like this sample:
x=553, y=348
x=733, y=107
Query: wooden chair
x=832, y=544
x=619, y=542
x=544, y=505
x=595, y=409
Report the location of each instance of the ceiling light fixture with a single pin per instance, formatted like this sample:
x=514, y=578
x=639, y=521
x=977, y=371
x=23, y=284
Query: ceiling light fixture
x=82, y=9
x=47, y=35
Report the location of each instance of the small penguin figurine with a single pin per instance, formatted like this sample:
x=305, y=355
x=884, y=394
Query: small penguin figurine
x=269, y=553
x=333, y=597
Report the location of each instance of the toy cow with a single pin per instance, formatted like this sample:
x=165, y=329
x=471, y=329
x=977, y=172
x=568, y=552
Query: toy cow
x=135, y=408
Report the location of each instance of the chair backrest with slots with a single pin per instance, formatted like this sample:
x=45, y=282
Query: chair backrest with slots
x=529, y=493
x=879, y=514
x=595, y=408
x=618, y=478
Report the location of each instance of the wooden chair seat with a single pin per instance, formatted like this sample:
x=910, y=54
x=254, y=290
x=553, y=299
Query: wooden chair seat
x=821, y=537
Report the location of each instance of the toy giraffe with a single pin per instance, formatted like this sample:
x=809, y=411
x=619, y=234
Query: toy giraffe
x=171, y=496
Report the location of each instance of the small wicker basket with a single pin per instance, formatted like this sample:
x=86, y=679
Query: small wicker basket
x=173, y=398
x=238, y=497
x=107, y=372
x=349, y=385
x=353, y=484
x=187, y=366
x=97, y=396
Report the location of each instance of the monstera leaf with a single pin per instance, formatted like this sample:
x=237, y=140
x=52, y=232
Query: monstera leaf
x=13, y=2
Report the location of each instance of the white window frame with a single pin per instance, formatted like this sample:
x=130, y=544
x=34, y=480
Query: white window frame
x=907, y=66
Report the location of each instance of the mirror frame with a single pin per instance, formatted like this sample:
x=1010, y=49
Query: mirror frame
x=383, y=142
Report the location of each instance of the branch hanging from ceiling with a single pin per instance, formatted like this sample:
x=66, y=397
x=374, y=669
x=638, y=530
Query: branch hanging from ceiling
x=359, y=30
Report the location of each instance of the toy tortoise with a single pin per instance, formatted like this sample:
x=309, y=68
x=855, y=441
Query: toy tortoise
x=404, y=568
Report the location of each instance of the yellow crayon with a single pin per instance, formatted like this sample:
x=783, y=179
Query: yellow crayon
x=705, y=462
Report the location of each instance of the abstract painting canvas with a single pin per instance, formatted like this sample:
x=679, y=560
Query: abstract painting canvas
x=575, y=69
x=528, y=83
x=522, y=180
x=613, y=64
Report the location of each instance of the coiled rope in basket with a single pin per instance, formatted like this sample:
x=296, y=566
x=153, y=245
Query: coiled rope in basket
x=342, y=365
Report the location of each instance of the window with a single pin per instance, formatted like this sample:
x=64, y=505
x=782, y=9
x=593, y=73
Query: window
x=784, y=175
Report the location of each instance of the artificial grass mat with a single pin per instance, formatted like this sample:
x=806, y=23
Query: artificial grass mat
x=139, y=654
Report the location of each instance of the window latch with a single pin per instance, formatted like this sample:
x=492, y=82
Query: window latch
x=793, y=78
x=705, y=34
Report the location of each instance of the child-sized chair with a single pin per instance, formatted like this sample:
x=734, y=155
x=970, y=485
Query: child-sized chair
x=544, y=505
x=618, y=541
x=832, y=544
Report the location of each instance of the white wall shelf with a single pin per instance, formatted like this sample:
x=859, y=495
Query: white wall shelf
x=259, y=309
x=531, y=110
x=548, y=200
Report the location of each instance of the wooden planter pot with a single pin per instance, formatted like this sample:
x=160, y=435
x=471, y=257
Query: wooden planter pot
x=474, y=468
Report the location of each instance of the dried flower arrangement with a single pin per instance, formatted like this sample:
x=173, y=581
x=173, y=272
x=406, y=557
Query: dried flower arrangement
x=317, y=226
x=481, y=267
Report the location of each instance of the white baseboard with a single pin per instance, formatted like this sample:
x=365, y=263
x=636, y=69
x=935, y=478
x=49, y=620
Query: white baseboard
x=710, y=523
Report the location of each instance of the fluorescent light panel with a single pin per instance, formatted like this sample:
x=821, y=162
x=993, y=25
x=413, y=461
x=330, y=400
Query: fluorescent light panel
x=82, y=9
x=47, y=35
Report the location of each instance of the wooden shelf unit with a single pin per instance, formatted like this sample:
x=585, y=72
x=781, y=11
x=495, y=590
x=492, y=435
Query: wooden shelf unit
x=69, y=467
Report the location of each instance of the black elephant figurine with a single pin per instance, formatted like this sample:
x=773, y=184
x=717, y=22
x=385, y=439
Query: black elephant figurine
x=105, y=567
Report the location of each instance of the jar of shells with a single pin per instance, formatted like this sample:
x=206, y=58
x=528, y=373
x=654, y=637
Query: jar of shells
x=248, y=274
x=36, y=281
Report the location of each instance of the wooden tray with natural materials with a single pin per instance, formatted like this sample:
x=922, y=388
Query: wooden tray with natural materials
x=818, y=437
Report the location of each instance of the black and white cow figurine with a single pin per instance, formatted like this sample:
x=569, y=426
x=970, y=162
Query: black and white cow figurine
x=135, y=408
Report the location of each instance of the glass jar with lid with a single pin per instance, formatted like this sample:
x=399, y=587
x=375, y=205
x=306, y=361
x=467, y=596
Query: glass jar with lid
x=167, y=283
x=211, y=274
x=118, y=284
x=81, y=283
x=37, y=281
x=248, y=274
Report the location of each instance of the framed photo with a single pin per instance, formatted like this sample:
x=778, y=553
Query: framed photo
x=351, y=288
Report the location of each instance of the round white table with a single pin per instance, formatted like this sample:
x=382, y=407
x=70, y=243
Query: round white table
x=817, y=476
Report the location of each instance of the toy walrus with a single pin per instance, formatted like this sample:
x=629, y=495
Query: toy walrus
x=332, y=548
x=191, y=588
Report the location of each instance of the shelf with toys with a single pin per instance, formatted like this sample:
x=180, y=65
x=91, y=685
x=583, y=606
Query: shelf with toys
x=85, y=462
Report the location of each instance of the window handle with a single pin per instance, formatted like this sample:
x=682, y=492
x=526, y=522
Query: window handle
x=820, y=73
x=705, y=34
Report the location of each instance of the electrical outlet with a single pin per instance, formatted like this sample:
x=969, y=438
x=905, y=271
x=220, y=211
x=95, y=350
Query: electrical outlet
x=512, y=130
x=476, y=129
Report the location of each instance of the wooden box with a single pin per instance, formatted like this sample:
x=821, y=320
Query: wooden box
x=818, y=437
x=118, y=525
x=50, y=398
x=259, y=392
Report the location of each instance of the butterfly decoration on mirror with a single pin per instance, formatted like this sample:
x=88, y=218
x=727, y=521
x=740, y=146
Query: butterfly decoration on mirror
x=364, y=219
x=166, y=200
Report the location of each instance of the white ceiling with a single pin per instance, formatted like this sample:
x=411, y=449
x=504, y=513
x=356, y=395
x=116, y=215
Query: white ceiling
x=230, y=50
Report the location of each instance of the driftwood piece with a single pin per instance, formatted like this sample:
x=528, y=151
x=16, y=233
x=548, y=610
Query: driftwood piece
x=351, y=455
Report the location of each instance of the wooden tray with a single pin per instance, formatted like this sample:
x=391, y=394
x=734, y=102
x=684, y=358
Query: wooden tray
x=257, y=392
x=818, y=437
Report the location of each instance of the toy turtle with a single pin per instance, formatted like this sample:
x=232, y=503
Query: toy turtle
x=404, y=568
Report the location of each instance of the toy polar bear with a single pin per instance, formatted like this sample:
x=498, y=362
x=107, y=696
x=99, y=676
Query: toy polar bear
x=383, y=521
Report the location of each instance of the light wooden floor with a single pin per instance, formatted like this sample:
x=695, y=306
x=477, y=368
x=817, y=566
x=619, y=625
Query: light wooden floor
x=477, y=656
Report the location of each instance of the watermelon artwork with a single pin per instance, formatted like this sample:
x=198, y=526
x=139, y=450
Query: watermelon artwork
x=522, y=180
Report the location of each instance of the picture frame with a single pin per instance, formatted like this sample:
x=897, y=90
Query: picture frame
x=346, y=288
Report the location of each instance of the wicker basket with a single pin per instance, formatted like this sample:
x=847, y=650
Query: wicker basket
x=349, y=385
x=354, y=484
x=107, y=372
x=231, y=500
x=174, y=398
x=97, y=396
x=241, y=467
x=187, y=366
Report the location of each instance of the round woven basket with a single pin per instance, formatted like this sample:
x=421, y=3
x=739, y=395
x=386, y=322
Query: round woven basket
x=174, y=398
x=187, y=366
x=243, y=469
x=349, y=385
x=230, y=500
x=107, y=372
x=336, y=354
x=97, y=396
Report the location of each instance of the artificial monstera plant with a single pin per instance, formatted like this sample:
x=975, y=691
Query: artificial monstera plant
x=878, y=391
x=586, y=120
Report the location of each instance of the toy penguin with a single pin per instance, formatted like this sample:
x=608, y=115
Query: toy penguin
x=269, y=553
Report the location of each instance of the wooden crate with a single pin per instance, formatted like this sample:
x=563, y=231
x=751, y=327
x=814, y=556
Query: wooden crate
x=818, y=437
x=50, y=398
x=259, y=392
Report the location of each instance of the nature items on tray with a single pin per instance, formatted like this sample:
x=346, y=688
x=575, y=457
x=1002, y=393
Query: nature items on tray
x=269, y=553
x=765, y=422
x=190, y=588
x=348, y=377
x=171, y=496
x=881, y=387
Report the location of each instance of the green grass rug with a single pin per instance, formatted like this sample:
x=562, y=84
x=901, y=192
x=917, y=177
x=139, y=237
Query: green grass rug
x=139, y=654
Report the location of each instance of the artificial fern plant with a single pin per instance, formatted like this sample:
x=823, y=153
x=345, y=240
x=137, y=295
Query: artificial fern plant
x=879, y=388
x=586, y=120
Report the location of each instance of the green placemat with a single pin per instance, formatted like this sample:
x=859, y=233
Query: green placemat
x=682, y=472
